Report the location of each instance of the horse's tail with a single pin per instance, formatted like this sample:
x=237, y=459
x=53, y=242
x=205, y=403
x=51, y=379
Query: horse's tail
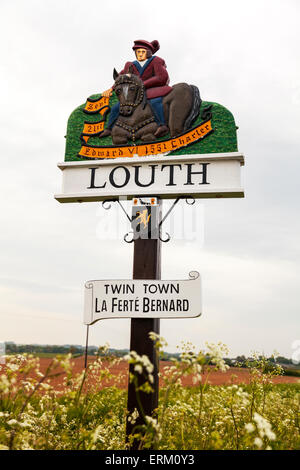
x=194, y=113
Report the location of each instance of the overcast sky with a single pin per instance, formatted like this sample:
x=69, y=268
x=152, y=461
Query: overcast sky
x=243, y=55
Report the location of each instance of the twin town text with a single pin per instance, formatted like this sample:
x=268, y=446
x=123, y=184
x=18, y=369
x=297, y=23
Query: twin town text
x=144, y=304
x=142, y=298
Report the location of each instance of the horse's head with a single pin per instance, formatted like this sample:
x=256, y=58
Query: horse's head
x=130, y=92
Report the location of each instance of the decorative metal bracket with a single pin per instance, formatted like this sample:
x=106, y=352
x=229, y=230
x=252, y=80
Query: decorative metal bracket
x=187, y=198
x=127, y=235
x=108, y=201
x=190, y=200
x=118, y=201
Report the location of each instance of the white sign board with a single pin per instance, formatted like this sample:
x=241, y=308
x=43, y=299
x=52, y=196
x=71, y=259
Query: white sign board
x=142, y=299
x=201, y=176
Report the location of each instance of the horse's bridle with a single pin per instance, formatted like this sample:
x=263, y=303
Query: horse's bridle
x=134, y=129
x=124, y=79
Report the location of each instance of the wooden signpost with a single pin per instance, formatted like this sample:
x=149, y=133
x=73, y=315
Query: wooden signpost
x=144, y=139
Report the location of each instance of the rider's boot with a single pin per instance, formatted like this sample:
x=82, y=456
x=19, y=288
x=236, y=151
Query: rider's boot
x=161, y=131
x=105, y=133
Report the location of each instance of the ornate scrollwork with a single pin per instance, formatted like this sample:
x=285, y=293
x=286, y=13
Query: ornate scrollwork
x=126, y=236
x=107, y=201
x=167, y=239
x=194, y=275
x=192, y=200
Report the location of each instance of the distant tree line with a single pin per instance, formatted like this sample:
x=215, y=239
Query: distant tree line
x=243, y=360
x=77, y=350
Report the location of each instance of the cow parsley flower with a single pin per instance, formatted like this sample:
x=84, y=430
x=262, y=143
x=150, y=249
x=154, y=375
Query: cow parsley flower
x=249, y=427
x=12, y=422
x=258, y=442
x=133, y=417
x=264, y=427
x=138, y=368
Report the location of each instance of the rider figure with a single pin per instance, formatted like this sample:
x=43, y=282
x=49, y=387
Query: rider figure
x=152, y=71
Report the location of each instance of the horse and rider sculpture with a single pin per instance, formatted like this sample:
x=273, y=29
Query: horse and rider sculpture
x=148, y=108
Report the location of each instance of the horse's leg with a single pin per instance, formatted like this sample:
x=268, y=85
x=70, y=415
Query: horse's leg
x=166, y=107
x=175, y=121
x=119, y=136
x=147, y=133
x=178, y=103
x=148, y=137
x=119, y=140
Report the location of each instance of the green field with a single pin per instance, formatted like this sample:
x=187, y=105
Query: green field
x=291, y=372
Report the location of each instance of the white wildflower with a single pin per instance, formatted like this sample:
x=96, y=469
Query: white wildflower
x=264, y=427
x=12, y=367
x=25, y=424
x=216, y=352
x=258, y=442
x=12, y=422
x=154, y=336
x=96, y=436
x=249, y=427
x=133, y=417
x=138, y=368
x=4, y=383
x=154, y=425
x=151, y=378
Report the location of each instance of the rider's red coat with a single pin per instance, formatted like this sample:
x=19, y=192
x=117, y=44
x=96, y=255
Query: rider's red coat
x=154, y=76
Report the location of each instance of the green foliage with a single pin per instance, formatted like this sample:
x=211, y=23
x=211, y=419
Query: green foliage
x=291, y=372
x=35, y=415
x=47, y=350
x=44, y=350
x=223, y=139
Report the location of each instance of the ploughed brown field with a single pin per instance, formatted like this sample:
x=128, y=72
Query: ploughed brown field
x=233, y=375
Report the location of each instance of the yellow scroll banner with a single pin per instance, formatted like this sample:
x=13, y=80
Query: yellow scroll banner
x=91, y=129
x=154, y=148
x=95, y=106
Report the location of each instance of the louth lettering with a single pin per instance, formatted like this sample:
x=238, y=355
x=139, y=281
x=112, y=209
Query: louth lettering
x=120, y=176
